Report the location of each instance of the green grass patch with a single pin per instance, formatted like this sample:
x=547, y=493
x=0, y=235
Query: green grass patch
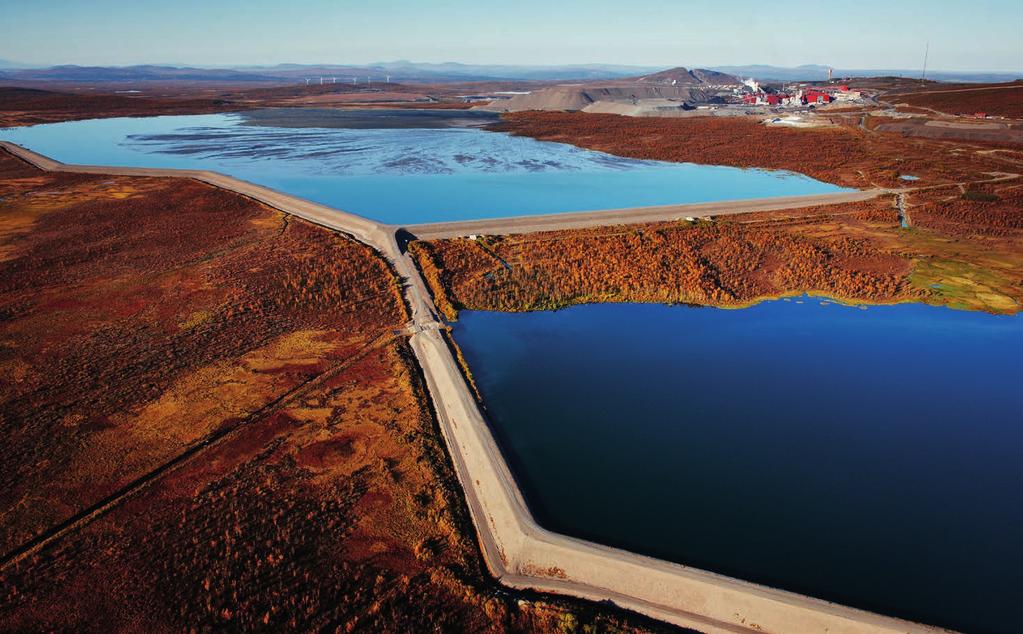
x=964, y=286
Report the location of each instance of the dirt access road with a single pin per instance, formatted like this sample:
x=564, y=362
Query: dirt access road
x=517, y=550
x=633, y=215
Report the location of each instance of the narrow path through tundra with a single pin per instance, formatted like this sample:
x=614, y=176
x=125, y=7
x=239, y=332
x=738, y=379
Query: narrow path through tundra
x=519, y=552
x=193, y=452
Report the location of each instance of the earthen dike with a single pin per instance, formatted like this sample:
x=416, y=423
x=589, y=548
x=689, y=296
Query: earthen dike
x=517, y=550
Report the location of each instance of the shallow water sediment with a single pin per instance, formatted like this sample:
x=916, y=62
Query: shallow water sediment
x=404, y=174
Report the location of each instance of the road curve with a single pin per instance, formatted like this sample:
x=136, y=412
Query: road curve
x=519, y=552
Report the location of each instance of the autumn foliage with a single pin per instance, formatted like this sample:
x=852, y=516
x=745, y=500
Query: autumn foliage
x=844, y=154
x=209, y=409
x=981, y=210
x=1004, y=100
x=724, y=264
x=30, y=106
x=117, y=291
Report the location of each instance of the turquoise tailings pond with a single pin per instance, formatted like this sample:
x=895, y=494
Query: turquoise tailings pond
x=402, y=167
x=869, y=456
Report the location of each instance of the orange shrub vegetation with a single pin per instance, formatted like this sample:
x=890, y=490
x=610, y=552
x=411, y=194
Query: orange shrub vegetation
x=337, y=512
x=725, y=264
x=30, y=106
x=231, y=379
x=988, y=210
x=845, y=154
x=425, y=256
x=1001, y=99
x=118, y=292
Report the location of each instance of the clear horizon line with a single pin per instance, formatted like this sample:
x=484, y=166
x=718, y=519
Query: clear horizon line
x=230, y=66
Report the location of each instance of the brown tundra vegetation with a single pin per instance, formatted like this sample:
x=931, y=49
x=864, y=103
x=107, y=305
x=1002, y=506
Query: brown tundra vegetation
x=29, y=106
x=210, y=419
x=963, y=247
x=1005, y=100
x=845, y=154
x=959, y=253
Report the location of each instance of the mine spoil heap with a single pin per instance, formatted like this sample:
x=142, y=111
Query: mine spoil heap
x=677, y=84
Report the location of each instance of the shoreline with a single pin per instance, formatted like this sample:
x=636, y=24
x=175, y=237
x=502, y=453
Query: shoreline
x=518, y=552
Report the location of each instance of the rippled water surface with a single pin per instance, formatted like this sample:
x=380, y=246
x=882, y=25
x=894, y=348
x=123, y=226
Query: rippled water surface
x=868, y=456
x=401, y=167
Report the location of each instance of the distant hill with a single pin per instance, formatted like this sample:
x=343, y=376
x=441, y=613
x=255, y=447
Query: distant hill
x=73, y=73
x=571, y=71
x=397, y=71
x=816, y=72
x=404, y=70
x=681, y=76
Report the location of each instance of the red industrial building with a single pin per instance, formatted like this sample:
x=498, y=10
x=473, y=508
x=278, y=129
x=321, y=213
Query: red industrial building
x=816, y=96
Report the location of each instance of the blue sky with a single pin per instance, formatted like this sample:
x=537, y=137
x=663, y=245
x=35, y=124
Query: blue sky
x=977, y=35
